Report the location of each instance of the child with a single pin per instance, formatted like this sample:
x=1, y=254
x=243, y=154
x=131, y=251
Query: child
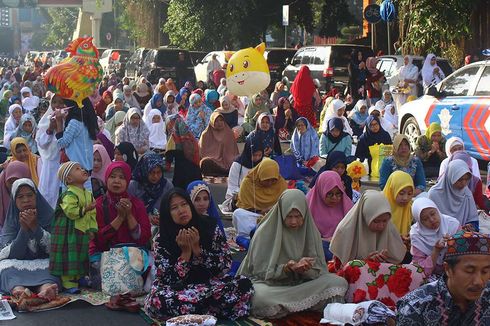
x=74, y=225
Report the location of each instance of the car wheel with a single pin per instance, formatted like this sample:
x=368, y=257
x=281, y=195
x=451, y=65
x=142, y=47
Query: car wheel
x=412, y=131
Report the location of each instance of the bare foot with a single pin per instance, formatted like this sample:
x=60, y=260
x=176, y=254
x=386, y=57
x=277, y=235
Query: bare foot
x=48, y=291
x=17, y=291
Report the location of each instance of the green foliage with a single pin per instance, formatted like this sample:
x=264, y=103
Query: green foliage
x=428, y=26
x=61, y=25
x=334, y=15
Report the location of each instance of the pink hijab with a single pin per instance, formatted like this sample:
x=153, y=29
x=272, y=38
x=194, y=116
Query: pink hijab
x=106, y=160
x=14, y=169
x=327, y=218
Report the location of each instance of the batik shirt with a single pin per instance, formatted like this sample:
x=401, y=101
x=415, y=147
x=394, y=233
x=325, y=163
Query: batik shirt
x=432, y=304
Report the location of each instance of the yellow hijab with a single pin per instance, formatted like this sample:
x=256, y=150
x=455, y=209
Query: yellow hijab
x=253, y=196
x=401, y=216
x=31, y=161
x=434, y=127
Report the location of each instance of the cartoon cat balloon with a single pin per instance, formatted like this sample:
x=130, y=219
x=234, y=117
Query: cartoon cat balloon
x=247, y=72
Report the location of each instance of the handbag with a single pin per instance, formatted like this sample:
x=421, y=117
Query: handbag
x=121, y=270
x=283, y=133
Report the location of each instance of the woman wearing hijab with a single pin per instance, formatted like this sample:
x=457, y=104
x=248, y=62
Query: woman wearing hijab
x=198, y=116
x=358, y=117
x=229, y=113
x=252, y=154
x=134, y=130
x=15, y=113
x=337, y=162
x=129, y=98
x=254, y=109
x=121, y=218
x=218, y=147
x=114, y=123
x=182, y=147
x=367, y=247
x=399, y=191
x=285, y=116
x=353, y=69
x=27, y=129
x=432, y=74
x=403, y=160
x=428, y=234
x=192, y=258
x=408, y=76
x=149, y=183
x=182, y=100
x=222, y=88
x=101, y=106
x=373, y=135
x=48, y=149
x=329, y=204
x=116, y=105
x=171, y=85
x=156, y=103
x=453, y=197
x=21, y=152
x=303, y=90
x=24, y=257
x=29, y=101
x=335, y=139
x=101, y=162
x=475, y=184
x=211, y=99
x=374, y=80
x=453, y=145
x=431, y=149
x=125, y=152
x=237, y=103
x=259, y=191
x=142, y=94
x=264, y=132
x=291, y=275
x=304, y=143
x=15, y=170
x=156, y=127
x=203, y=201
x=338, y=111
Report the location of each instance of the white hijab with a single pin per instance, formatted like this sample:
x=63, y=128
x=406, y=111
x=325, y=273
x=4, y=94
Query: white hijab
x=451, y=142
x=409, y=71
x=425, y=239
x=389, y=117
x=50, y=151
x=158, y=136
x=428, y=76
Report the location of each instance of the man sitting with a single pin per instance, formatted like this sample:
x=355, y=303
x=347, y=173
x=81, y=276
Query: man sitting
x=462, y=296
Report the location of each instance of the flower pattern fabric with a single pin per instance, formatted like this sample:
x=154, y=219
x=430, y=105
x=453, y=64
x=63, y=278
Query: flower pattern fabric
x=224, y=296
x=387, y=283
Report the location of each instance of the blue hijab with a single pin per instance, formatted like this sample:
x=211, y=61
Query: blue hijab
x=182, y=91
x=194, y=188
x=153, y=102
x=305, y=146
x=211, y=96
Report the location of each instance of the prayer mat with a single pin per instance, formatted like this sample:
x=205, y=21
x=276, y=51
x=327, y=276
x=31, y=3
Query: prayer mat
x=241, y=322
x=303, y=318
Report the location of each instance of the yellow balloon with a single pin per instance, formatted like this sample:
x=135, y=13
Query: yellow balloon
x=247, y=72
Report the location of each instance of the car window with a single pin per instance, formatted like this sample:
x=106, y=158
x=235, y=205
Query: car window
x=297, y=58
x=460, y=83
x=483, y=88
x=168, y=58
x=385, y=67
x=445, y=66
x=319, y=56
x=279, y=56
x=308, y=56
x=105, y=54
x=207, y=58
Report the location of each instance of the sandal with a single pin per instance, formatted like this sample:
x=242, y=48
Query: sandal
x=123, y=302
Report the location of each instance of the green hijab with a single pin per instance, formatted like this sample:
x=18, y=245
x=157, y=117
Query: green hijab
x=253, y=108
x=273, y=244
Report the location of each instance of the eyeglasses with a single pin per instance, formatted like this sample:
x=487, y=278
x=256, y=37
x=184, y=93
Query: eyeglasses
x=331, y=195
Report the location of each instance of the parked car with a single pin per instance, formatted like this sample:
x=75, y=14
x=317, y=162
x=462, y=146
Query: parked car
x=197, y=56
x=162, y=63
x=135, y=62
x=327, y=63
x=461, y=106
x=390, y=64
x=114, y=66
x=201, y=69
x=59, y=55
x=29, y=58
x=277, y=59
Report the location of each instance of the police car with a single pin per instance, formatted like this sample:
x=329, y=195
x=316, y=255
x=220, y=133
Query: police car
x=461, y=105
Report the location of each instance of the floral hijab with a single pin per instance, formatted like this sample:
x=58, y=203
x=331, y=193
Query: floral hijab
x=139, y=135
x=28, y=136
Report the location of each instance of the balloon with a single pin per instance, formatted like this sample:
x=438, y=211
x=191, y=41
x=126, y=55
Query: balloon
x=247, y=72
x=115, y=56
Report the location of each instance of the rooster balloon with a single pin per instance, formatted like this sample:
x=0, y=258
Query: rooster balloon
x=77, y=76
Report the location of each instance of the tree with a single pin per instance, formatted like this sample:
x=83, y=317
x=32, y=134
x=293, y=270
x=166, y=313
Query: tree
x=335, y=15
x=60, y=27
x=428, y=26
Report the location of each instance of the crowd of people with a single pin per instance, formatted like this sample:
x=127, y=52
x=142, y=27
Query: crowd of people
x=76, y=183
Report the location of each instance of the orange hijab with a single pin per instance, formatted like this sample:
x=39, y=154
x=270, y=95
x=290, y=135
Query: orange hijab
x=31, y=161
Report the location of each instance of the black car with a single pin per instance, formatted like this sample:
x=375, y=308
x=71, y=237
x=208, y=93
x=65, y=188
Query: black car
x=135, y=63
x=327, y=63
x=277, y=59
x=197, y=56
x=165, y=63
